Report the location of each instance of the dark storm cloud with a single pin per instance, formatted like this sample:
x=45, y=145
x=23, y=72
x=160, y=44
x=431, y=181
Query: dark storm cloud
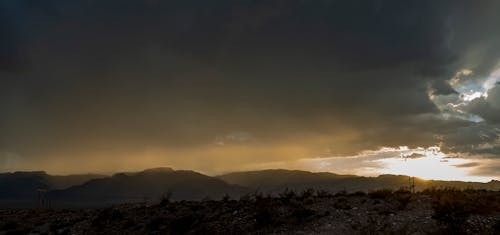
x=9, y=46
x=487, y=107
x=475, y=138
x=492, y=169
x=88, y=76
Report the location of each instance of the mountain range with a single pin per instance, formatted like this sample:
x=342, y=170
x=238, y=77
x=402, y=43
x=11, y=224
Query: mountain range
x=21, y=189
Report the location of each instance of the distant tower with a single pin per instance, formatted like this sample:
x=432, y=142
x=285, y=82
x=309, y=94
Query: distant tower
x=41, y=197
x=411, y=179
x=411, y=184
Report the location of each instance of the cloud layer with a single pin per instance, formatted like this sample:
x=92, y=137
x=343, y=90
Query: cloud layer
x=86, y=84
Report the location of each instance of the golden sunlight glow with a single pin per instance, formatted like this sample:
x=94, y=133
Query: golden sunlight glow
x=432, y=165
x=426, y=163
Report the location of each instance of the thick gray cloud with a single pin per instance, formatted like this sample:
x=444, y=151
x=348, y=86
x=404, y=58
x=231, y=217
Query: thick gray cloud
x=487, y=107
x=125, y=75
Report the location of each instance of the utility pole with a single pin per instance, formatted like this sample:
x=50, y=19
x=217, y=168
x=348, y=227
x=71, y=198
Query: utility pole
x=411, y=183
x=411, y=179
x=41, y=197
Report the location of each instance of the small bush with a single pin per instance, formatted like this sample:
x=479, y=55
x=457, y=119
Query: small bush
x=342, y=204
x=246, y=198
x=226, y=198
x=9, y=225
x=107, y=215
x=323, y=193
x=308, y=193
x=165, y=198
x=452, y=210
x=286, y=196
x=301, y=213
x=380, y=194
x=153, y=224
x=358, y=194
x=265, y=212
x=496, y=227
x=341, y=193
x=183, y=224
x=403, y=198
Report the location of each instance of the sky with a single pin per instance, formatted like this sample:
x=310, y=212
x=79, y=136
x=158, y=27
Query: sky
x=354, y=87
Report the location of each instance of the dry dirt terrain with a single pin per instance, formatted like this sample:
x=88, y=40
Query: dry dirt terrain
x=307, y=212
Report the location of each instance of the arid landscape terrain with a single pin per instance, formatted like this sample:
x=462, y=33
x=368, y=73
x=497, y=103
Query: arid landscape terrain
x=431, y=211
x=168, y=201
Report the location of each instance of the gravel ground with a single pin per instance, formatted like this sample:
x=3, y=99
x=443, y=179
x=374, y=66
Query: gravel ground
x=304, y=213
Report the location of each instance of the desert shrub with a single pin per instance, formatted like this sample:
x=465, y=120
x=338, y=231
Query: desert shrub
x=496, y=227
x=342, y=204
x=263, y=217
x=384, y=210
x=183, y=224
x=111, y=214
x=483, y=203
x=380, y=194
x=431, y=191
x=246, y=198
x=403, y=198
x=341, y=193
x=301, y=213
x=9, y=225
x=197, y=206
x=286, y=196
x=12, y=227
x=358, y=194
x=437, y=192
x=265, y=212
x=128, y=224
x=453, y=206
x=307, y=196
x=403, y=190
x=165, y=198
x=323, y=193
x=451, y=209
x=206, y=199
x=226, y=198
x=154, y=223
x=308, y=193
x=107, y=215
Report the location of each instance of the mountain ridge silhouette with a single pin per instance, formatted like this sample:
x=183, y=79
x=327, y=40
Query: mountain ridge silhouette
x=19, y=189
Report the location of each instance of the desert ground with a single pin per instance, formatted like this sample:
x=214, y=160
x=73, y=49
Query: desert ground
x=434, y=211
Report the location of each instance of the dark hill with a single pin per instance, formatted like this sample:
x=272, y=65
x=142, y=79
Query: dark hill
x=22, y=184
x=278, y=180
x=146, y=186
x=20, y=189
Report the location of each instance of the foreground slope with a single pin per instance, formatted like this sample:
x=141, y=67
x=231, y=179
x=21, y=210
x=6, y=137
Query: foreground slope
x=379, y=212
